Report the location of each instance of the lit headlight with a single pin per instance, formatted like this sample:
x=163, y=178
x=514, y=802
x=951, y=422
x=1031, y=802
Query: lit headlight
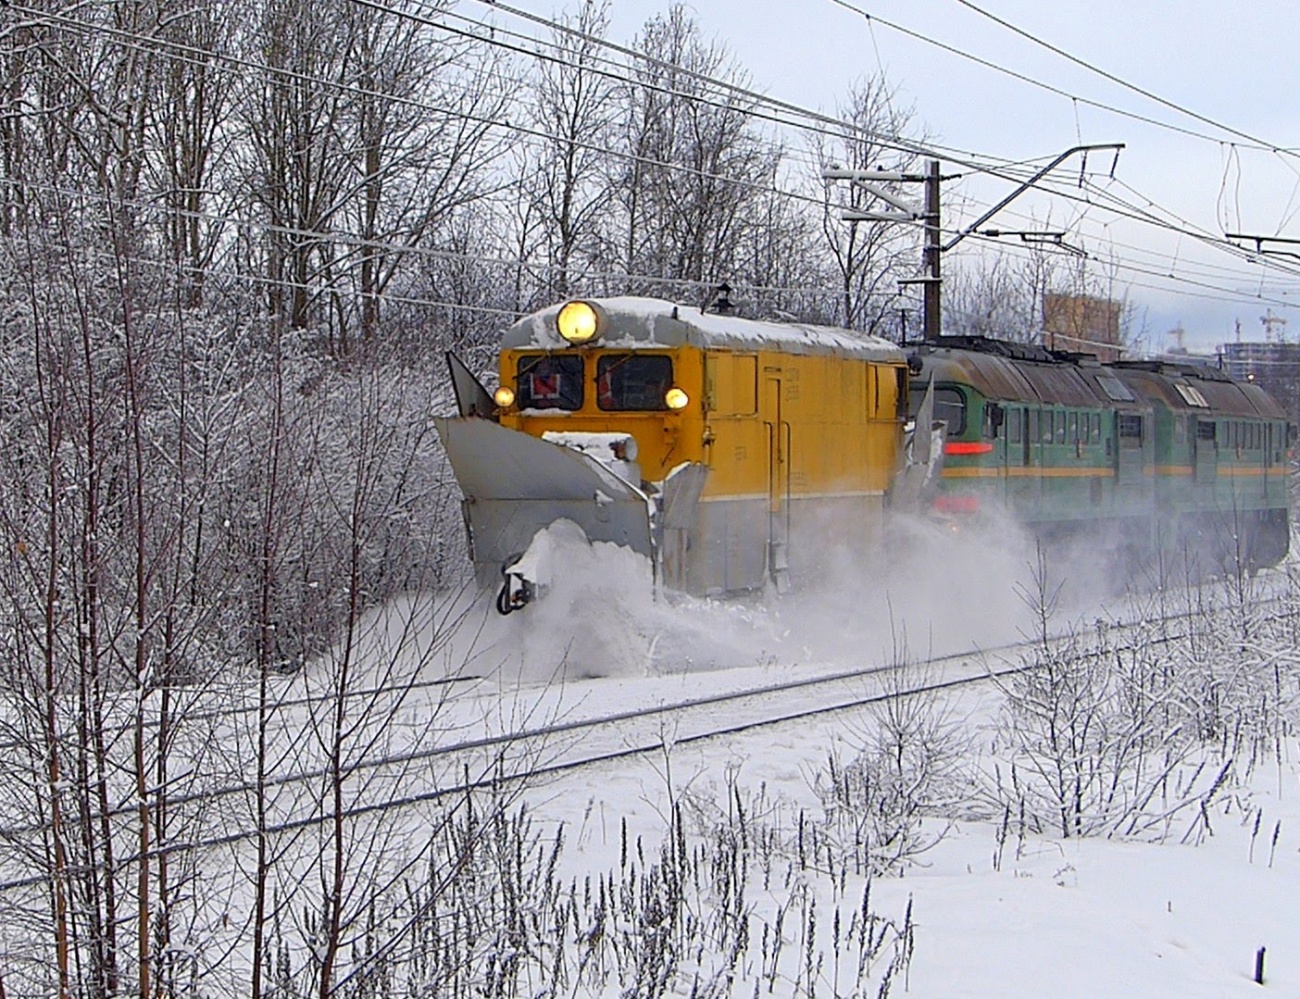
x=579, y=322
x=504, y=397
x=676, y=398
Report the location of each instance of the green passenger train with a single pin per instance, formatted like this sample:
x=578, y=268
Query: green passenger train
x=1153, y=459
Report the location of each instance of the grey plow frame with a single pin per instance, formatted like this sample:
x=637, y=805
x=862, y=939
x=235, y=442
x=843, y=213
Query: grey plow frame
x=515, y=485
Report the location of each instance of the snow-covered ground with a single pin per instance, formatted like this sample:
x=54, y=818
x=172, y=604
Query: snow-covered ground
x=996, y=907
x=911, y=848
x=1055, y=917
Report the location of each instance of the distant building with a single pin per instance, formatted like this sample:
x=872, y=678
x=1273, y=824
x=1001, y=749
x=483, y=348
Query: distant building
x=1275, y=367
x=1082, y=323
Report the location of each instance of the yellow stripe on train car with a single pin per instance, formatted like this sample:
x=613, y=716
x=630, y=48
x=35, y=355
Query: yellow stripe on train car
x=1030, y=472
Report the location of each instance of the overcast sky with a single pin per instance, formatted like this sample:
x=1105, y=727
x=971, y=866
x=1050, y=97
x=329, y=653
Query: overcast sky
x=1232, y=64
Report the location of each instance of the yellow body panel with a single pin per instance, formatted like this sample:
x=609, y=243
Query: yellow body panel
x=800, y=450
x=816, y=426
x=763, y=422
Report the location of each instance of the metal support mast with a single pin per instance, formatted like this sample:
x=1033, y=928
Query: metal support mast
x=933, y=254
x=934, y=247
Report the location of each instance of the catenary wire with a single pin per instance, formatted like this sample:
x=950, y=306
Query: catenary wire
x=1044, y=186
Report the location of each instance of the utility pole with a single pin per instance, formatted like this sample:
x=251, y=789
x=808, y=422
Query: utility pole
x=933, y=254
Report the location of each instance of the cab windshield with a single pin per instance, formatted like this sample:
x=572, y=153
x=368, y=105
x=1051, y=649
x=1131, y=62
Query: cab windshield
x=550, y=381
x=633, y=381
x=949, y=406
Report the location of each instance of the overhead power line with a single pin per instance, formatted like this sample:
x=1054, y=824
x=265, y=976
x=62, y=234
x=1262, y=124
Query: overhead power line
x=1120, y=81
x=812, y=121
x=1004, y=170
x=1041, y=85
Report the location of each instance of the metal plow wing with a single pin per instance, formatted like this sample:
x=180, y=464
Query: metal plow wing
x=516, y=485
x=922, y=458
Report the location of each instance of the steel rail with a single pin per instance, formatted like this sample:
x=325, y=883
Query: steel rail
x=524, y=736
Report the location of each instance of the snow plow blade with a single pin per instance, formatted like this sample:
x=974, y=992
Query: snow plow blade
x=515, y=485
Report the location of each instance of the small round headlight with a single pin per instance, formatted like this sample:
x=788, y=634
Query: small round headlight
x=578, y=322
x=504, y=397
x=676, y=398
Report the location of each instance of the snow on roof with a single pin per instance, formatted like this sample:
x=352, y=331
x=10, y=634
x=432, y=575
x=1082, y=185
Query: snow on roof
x=638, y=322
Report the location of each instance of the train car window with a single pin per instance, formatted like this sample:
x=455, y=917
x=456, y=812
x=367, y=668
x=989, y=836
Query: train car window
x=1130, y=426
x=1073, y=436
x=1094, y=424
x=950, y=406
x=1031, y=430
x=1114, y=388
x=550, y=381
x=1205, y=430
x=994, y=417
x=1061, y=431
x=633, y=381
x=1048, y=417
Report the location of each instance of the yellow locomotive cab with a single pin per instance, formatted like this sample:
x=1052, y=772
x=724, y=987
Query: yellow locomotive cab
x=700, y=440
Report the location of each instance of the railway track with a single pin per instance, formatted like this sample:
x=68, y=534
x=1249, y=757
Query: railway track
x=441, y=760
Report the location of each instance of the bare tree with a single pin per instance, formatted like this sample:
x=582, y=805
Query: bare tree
x=782, y=262
x=188, y=132
x=868, y=258
x=564, y=181
x=367, y=136
x=421, y=123
x=999, y=296
x=694, y=164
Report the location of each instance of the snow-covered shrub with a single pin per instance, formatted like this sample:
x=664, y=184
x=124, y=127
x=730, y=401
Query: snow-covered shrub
x=906, y=767
x=1137, y=735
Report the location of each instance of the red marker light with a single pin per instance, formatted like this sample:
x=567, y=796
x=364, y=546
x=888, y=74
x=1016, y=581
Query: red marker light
x=967, y=447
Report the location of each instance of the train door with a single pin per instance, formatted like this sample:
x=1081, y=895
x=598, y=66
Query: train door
x=1130, y=457
x=1038, y=427
x=1205, y=457
x=1266, y=443
x=1011, y=442
x=778, y=481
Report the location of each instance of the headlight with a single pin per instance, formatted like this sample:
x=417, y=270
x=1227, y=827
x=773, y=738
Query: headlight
x=504, y=397
x=579, y=322
x=676, y=398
